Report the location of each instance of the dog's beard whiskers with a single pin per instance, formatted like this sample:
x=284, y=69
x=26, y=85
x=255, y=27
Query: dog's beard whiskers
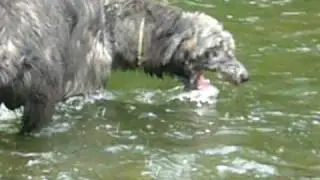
x=229, y=74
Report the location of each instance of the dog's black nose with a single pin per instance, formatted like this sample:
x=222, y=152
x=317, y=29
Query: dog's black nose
x=244, y=77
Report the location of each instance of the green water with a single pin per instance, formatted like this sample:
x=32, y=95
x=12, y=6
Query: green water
x=267, y=129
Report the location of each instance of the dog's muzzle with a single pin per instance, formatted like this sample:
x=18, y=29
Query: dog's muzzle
x=243, y=75
x=235, y=72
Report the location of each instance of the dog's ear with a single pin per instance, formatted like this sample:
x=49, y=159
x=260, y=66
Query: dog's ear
x=163, y=48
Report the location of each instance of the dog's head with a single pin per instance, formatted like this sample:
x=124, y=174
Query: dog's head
x=207, y=47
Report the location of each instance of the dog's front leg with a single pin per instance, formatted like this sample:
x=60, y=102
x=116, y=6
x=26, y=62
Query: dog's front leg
x=37, y=113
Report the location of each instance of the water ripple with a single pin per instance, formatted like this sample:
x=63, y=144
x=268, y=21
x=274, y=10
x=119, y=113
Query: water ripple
x=242, y=166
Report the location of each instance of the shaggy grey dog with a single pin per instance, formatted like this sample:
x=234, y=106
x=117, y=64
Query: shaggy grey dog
x=50, y=50
x=53, y=49
x=166, y=40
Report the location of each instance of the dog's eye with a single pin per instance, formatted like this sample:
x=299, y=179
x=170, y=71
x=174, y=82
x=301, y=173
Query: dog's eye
x=207, y=54
x=186, y=55
x=210, y=54
x=214, y=54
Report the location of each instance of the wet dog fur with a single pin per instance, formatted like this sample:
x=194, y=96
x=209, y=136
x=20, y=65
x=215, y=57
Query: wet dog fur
x=56, y=49
x=50, y=50
x=166, y=40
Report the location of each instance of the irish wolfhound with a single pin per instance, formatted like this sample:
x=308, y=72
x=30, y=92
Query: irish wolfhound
x=53, y=49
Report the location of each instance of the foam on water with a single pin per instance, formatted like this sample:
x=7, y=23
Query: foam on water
x=7, y=114
x=204, y=99
x=200, y=97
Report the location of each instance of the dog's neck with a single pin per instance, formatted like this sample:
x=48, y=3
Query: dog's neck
x=148, y=45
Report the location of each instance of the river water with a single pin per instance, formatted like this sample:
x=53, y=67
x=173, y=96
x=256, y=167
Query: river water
x=268, y=128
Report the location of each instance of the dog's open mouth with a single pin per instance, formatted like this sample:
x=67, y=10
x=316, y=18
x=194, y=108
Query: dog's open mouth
x=201, y=82
x=196, y=82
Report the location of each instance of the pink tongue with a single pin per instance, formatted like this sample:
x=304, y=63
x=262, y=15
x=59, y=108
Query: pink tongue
x=202, y=82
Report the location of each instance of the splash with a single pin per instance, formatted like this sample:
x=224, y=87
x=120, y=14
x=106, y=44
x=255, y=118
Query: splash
x=7, y=114
x=200, y=97
x=203, y=97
